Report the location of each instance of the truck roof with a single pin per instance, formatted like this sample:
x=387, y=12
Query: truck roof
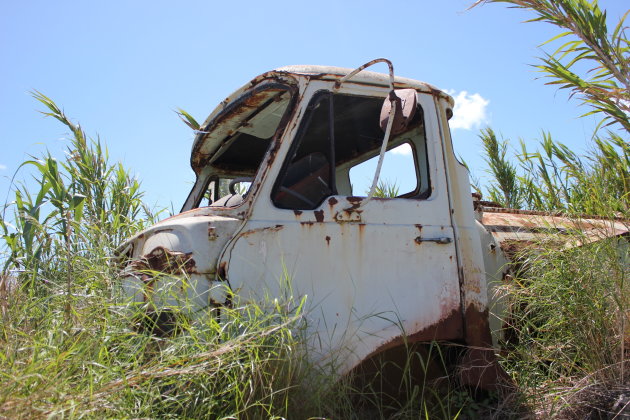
x=206, y=143
x=367, y=77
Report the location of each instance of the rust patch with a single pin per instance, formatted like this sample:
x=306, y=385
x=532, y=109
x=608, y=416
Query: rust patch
x=355, y=202
x=165, y=261
x=449, y=328
x=297, y=213
x=397, y=373
x=307, y=223
x=275, y=228
x=419, y=227
x=479, y=367
x=328, y=240
x=222, y=271
x=477, y=327
x=212, y=234
x=514, y=250
x=319, y=215
x=332, y=201
x=472, y=284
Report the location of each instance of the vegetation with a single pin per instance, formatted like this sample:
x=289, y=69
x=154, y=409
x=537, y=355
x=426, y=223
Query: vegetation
x=385, y=189
x=557, y=179
x=73, y=346
x=568, y=352
x=593, y=63
x=570, y=313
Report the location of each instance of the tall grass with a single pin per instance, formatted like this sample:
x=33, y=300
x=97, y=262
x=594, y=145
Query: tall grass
x=570, y=307
x=557, y=179
x=83, y=206
x=570, y=312
x=99, y=365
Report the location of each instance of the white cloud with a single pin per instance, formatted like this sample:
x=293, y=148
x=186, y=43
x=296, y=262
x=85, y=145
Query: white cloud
x=3, y=167
x=403, y=149
x=470, y=110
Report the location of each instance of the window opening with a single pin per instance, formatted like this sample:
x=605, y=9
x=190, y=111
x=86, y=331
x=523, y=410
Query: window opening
x=334, y=147
x=398, y=174
x=236, y=145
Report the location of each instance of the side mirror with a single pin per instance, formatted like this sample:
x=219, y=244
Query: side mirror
x=406, y=105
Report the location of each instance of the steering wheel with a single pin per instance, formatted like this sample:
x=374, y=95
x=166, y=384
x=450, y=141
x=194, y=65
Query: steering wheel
x=238, y=180
x=298, y=196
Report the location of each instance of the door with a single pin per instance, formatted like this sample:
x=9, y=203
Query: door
x=372, y=271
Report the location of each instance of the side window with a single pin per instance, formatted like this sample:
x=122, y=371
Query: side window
x=398, y=174
x=336, y=149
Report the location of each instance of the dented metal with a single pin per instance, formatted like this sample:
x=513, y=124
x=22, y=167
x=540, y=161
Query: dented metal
x=378, y=273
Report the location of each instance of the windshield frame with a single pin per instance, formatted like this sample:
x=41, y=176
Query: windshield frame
x=205, y=173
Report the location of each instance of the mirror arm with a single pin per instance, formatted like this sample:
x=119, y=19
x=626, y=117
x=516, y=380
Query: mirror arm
x=392, y=112
x=381, y=157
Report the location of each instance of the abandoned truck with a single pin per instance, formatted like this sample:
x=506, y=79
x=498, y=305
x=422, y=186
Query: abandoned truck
x=378, y=272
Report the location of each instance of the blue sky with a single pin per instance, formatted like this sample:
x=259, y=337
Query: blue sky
x=121, y=68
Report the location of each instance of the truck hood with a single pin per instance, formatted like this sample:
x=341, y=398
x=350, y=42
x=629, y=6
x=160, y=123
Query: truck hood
x=515, y=230
x=195, y=237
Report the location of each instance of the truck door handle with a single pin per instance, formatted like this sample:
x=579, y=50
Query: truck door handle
x=442, y=240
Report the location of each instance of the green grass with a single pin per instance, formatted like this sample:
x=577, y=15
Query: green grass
x=93, y=361
x=570, y=310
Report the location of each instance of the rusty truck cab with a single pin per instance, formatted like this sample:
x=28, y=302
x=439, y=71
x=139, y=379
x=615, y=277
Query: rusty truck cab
x=274, y=200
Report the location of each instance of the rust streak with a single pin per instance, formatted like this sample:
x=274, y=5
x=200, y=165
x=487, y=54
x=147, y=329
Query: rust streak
x=319, y=215
x=479, y=367
x=275, y=228
x=448, y=328
x=222, y=271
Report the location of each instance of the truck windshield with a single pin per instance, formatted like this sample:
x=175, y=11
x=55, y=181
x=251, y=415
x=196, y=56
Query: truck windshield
x=237, y=139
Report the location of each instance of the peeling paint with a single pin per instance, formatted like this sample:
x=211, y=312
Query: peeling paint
x=163, y=260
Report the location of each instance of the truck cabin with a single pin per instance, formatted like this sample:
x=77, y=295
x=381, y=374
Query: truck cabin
x=333, y=151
